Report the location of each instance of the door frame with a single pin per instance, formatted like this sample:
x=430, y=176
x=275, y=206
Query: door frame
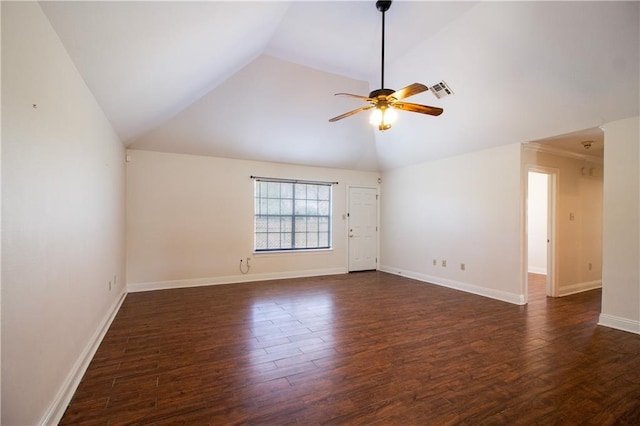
x=348, y=218
x=553, y=176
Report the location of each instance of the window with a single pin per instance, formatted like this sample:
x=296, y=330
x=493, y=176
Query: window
x=292, y=215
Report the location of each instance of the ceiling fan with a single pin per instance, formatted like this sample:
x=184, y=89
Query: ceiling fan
x=385, y=101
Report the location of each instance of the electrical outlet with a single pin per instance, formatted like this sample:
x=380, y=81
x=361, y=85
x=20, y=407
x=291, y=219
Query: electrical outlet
x=462, y=266
x=109, y=285
x=590, y=266
x=444, y=263
x=435, y=262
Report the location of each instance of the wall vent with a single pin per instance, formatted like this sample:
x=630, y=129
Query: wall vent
x=440, y=90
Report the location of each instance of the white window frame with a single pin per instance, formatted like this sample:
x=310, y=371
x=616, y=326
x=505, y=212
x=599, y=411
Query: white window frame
x=275, y=214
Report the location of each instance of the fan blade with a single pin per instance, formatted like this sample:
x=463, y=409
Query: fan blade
x=364, y=98
x=422, y=109
x=410, y=90
x=347, y=114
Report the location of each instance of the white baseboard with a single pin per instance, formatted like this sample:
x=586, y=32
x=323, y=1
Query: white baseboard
x=231, y=279
x=624, y=324
x=517, y=299
x=537, y=270
x=579, y=288
x=63, y=398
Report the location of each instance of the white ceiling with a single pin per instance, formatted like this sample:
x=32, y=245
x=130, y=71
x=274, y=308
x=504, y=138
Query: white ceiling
x=255, y=80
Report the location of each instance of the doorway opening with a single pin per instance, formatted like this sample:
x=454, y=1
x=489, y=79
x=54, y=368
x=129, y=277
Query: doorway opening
x=541, y=206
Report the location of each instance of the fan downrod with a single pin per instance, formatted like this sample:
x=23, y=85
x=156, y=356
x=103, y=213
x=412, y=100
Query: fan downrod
x=383, y=5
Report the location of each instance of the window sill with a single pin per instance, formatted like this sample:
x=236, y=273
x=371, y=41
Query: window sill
x=292, y=252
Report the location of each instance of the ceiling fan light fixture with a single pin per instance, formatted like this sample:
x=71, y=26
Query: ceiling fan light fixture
x=383, y=118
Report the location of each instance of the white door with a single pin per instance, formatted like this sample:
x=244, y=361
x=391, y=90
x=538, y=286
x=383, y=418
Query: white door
x=363, y=229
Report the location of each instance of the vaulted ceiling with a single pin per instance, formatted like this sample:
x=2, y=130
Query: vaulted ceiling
x=255, y=80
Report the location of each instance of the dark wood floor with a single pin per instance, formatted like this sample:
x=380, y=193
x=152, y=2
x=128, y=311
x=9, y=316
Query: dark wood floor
x=365, y=348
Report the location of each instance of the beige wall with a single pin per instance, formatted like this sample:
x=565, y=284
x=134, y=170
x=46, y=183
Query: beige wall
x=621, y=239
x=578, y=241
x=62, y=218
x=463, y=209
x=190, y=220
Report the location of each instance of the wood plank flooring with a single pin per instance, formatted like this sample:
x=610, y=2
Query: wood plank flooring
x=364, y=349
